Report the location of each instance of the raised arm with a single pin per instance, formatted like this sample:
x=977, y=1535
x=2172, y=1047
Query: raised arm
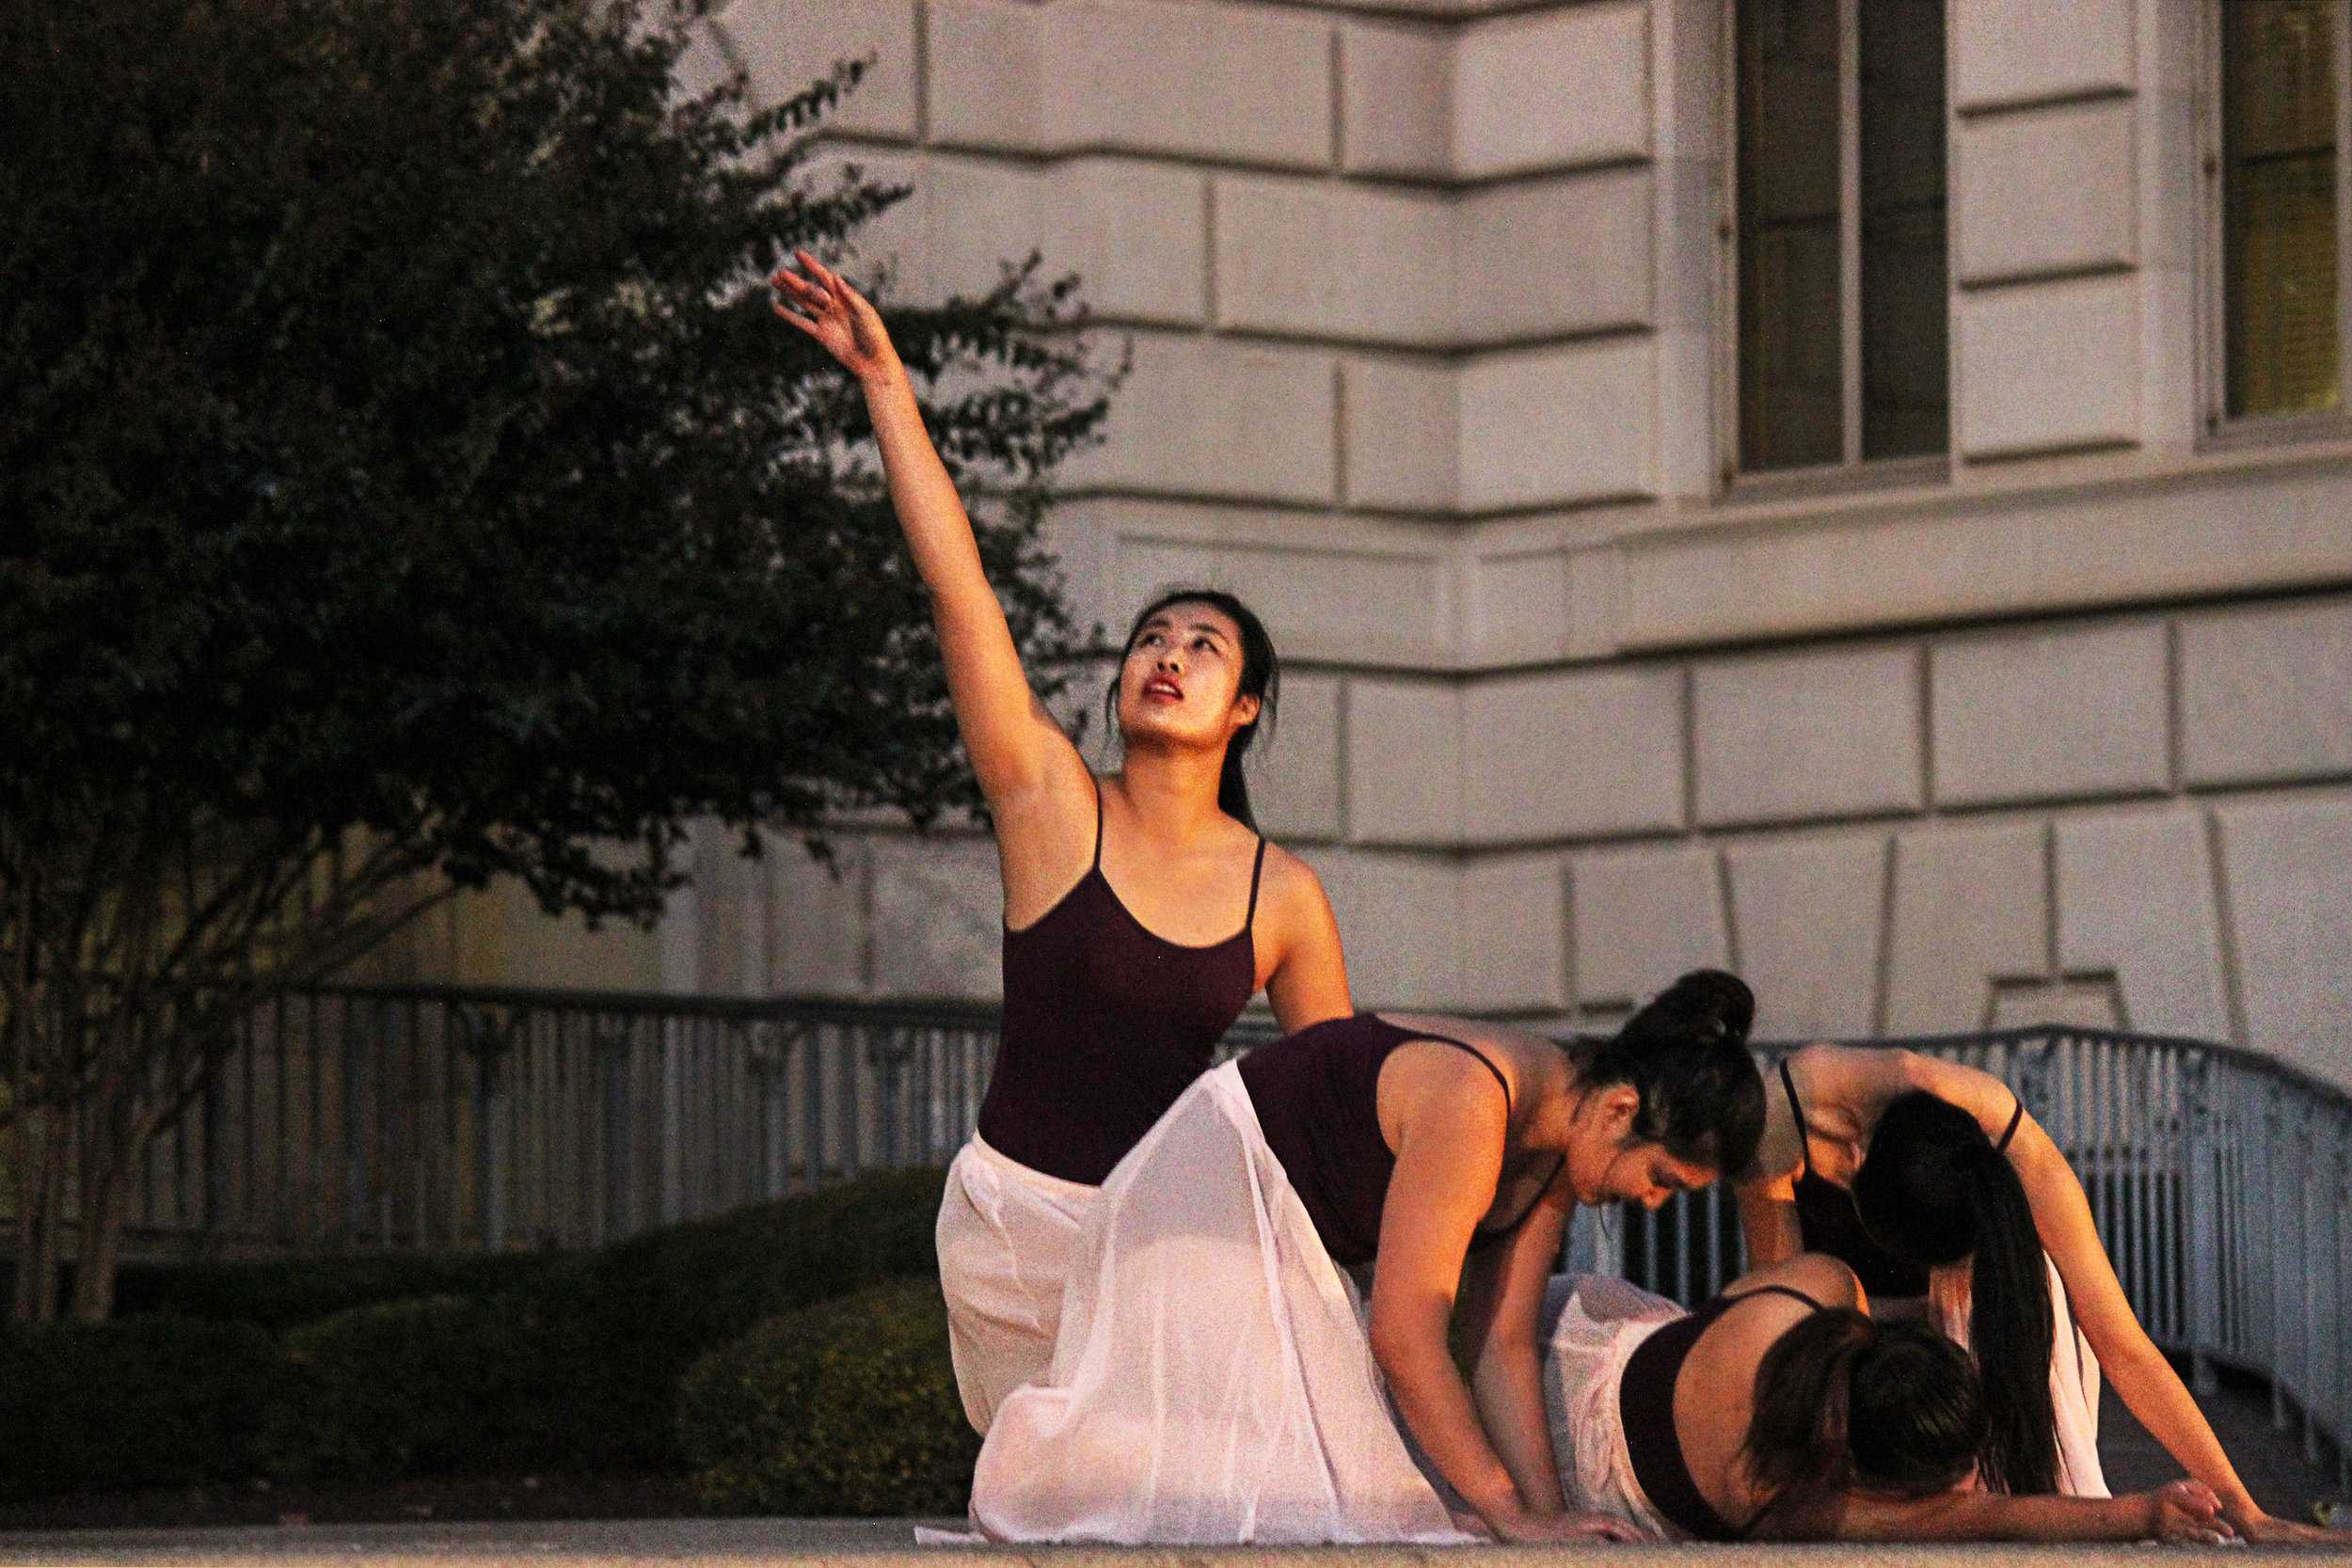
x=1449, y=1152
x=1017, y=749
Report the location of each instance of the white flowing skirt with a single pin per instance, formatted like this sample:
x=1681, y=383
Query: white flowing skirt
x=2074, y=1380
x=1005, y=1233
x=1594, y=1322
x=1212, y=1382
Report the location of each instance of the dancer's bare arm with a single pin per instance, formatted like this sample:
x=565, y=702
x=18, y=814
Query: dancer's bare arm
x=2185, y=1510
x=1768, y=1219
x=1502, y=1297
x=1449, y=1145
x=2141, y=1375
x=1307, y=973
x=1018, y=752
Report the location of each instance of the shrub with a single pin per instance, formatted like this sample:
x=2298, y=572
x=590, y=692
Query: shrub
x=848, y=1408
x=137, y=1403
x=612, y=1331
x=277, y=1293
x=577, y=1368
x=406, y=1387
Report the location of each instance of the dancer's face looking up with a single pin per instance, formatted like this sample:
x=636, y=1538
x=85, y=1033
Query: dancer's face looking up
x=1182, y=679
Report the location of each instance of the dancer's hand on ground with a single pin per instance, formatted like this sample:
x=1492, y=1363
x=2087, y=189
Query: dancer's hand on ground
x=2188, y=1511
x=823, y=305
x=1557, y=1530
x=2267, y=1529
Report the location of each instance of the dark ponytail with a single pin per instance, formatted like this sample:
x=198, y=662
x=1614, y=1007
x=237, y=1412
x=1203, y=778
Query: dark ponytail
x=1686, y=1053
x=1934, y=1190
x=1845, y=1404
x=1261, y=677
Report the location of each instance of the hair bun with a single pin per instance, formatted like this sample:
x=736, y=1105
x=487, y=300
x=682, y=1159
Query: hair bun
x=1710, y=1002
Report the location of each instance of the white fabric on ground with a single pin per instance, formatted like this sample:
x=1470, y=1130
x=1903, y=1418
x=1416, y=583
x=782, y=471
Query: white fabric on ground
x=1005, y=1233
x=2074, y=1378
x=1212, y=1382
x=1593, y=1323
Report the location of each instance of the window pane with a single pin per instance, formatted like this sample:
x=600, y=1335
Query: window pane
x=1905, y=316
x=2279, y=210
x=1791, y=402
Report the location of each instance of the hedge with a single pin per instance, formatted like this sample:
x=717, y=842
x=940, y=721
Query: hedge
x=277, y=1293
x=848, y=1408
x=577, y=1367
x=141, y=1404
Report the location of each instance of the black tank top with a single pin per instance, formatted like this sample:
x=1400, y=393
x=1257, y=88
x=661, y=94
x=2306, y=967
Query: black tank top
x=1827, y=1220
x=1105, y=1024
x=1317, y=1097
x=1645, y=1407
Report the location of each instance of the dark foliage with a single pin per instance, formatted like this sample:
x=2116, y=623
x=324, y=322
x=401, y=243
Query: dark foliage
x=402, y=484
x=280, y=1293
x=578, y=1370
x=155, y=1402
x=847, y=1407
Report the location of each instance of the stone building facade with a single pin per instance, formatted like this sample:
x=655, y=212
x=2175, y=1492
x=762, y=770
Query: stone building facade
x=1452, y=352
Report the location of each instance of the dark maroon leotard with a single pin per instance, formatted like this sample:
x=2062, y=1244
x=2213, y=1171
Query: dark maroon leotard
x=1316, y=1095
x=1105, y=1024
x=1827, y=1220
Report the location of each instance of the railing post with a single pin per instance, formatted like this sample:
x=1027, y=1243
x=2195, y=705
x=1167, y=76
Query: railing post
x=619, y=1215
x=2202, y=1202
x=673, y=1135
x=487, y=1043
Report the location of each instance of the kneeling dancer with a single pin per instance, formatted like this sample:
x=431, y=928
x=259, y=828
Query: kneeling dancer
x=1213, y=1380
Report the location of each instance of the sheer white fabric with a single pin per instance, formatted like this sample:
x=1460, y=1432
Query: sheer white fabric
x=1212, y=1382
x=2073, y=1377
x=1005, y=1233
x=1595, y=1322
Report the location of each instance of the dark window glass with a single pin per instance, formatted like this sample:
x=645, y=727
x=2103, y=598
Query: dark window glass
x=1802, y=321
x=1906, y=395
x=1791, y=353
x=2278, y=97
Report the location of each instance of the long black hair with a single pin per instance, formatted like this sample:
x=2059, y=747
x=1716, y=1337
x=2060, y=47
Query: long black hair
x=1934, y=1190
x=1844, y=1402
x=1261, y=677
x=1686, y=1053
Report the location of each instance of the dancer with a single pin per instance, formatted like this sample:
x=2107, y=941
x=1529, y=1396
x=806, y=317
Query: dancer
x=1215, y=1380
x=1143, y=910
x=1779, y=1411
x=1956, y=1171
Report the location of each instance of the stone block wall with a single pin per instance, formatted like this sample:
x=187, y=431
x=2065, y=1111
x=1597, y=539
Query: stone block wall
x=1427, y=310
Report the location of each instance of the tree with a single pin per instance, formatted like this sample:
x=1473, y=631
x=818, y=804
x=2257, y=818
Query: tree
x=404, y=484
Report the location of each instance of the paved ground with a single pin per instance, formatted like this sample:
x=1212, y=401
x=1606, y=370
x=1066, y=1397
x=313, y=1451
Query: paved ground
x=2271, y=1462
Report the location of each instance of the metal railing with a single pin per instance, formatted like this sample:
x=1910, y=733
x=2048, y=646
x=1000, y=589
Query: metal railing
x=424, y=1116
x=444, y=1118
x=2220, y=1183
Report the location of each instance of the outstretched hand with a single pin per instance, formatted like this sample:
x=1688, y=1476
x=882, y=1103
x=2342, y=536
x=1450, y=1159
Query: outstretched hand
x=2269, y=1529
x=2187, y=1511
x=1553, y=1529
x=824, y=306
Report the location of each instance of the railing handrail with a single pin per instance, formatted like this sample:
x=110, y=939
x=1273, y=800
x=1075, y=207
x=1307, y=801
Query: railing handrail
x=2255, y=1061
x=964, y=1011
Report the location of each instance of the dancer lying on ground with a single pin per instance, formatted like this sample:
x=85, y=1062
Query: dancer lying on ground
x=1143, y=910
x=1779, y=1411
x=1213, y=1381
x=1952, y=1175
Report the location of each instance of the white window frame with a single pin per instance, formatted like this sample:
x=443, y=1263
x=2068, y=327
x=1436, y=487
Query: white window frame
x=2219, y=429
x=1852, y=471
